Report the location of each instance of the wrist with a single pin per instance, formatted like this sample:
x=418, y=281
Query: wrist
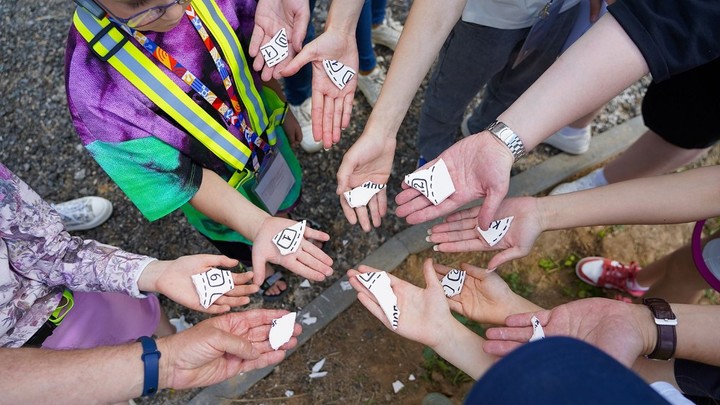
x=509, y=138
x=164, y=378
x=646, y=326
x=150, y=275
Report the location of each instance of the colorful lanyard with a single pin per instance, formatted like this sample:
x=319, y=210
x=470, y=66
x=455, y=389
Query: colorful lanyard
x=232, y=116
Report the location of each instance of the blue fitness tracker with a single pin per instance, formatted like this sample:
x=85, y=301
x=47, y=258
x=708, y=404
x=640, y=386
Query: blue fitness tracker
x=151, y=360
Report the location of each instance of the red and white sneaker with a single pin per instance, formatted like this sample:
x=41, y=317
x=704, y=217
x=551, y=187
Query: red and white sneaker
x=606, y=273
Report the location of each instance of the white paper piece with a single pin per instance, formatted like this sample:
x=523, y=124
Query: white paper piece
x=397, y=386
x=289, y=393
x=281, y=330
x=412, y=377
x=538, y=333
x=345, y=286
x=318, y=366
x=379, y=285
x=307, y=319
x=496, y=231
x=434, y=182
x=212, y=284
x=305, y=284
x=318, y=375
x=288, y=240
x=276, y=50
x=360, y=196
x=339, y=74
x=453, y=282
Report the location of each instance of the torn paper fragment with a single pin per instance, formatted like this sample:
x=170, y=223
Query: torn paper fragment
x=453, y=282
x=305, y=284
x=397, y=386
x=496, y=231
x=276, y=50
x=345, y=286
x=412, y=377
x=538, y=333
x=318, y=366
x=339, y=74
x=289, y=393
x=318, y=375
x=434, y=182
x=281, y=330
x=288, y=240
x=379, y=284
x=360, y=196
x=307, y=319
x=212, y=284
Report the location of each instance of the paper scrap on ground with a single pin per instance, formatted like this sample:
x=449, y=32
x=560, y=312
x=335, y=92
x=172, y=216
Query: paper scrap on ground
x=281, y=330
x=212, y=284
x=345, y=286
x=276, y=50
x=434, y=182
x=307, y=319
x=538, y=333
x=339, y=74
x=289, y=393
x=379, y=285
x=397, y=386
x=288, y=240
x=496, y=231
x=412, y=377
x=453, y=282
x=360, y=196
x=305, y=284
x=319, y=374
x=316, y=373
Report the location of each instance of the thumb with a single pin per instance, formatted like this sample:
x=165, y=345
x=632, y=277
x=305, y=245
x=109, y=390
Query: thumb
x=343, y=175
x=237, y=346
x=488, y=210
x=431, y=278
x=258, y=269
x=257, y=36
x=503, y=257
x=305, y=56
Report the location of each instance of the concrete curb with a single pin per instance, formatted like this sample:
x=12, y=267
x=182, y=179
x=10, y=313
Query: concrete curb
x=333, y=301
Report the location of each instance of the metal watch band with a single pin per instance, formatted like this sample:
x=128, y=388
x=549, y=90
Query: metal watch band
x=665, y=322
x=508, y=137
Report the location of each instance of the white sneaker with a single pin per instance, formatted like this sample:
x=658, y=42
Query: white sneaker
x=575, y=144
x=592, y=180
x=388, y=33
x=180, y=324
x=84, y=213
x=370, y=85
x=303, y=115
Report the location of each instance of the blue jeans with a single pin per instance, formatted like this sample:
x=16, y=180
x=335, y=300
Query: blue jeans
x=373, y=13
x=298, y=87
x=561, y=370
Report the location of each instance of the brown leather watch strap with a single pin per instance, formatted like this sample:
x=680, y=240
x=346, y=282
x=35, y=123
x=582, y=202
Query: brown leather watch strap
x=665, y=322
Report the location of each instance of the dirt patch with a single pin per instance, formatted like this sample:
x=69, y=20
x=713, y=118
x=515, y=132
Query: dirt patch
x=363, y=358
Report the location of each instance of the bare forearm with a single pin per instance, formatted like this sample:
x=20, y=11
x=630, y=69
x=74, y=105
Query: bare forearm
x=343, y=16
x=673, y=198
x=225, y=205
x=696, y=333
x=426, y=29
x=463, y=348
x=596, y=68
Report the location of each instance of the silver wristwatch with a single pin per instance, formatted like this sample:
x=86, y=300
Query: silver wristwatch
x=508, y=137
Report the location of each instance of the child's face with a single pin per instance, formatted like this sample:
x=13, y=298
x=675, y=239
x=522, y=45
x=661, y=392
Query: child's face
x=130, y=8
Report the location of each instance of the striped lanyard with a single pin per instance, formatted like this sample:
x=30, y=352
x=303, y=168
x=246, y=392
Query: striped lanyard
x=233, y=115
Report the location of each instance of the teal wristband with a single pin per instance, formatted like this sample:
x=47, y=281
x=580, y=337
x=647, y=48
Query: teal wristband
x=151, y=360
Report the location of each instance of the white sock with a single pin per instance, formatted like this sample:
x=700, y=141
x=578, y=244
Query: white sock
x=598, y=177
x=571, y=132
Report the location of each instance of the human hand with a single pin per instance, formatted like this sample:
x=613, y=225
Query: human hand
x=219, y=348
x=624, y=331
x=308, y=261
x=331, y=107
x=424, y=313
x=370, y=158
x=172, y=278
x=479, y=166
x=485, y=297
x=459, y=231
x=292, y=128
x=270, y=17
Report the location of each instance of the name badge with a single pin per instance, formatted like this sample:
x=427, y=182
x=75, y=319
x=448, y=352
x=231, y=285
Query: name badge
x=274, y=182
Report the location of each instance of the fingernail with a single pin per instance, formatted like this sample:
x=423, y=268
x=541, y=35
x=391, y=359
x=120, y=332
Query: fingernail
x=429, y=231
x=326, y=149
x=427, y=239
x=436, y=248
x=490, y=270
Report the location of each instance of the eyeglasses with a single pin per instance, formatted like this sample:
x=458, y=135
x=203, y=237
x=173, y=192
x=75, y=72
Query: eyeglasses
x=146, y=17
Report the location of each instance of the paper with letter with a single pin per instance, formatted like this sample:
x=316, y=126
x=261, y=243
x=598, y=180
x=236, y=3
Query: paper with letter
x=360, y=196
x=212, y=284
x=288, y=240
x=453, y=282
x=538, y=333
x=339, y=74
x=434, y=182
x=379, y=285
x=281, y=330
x=496, y=231
x=276, y=50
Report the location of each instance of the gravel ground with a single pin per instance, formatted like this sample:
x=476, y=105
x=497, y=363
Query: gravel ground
x=39, y=144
